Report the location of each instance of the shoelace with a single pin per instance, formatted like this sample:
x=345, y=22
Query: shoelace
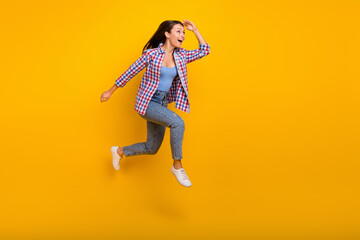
x=183, y=174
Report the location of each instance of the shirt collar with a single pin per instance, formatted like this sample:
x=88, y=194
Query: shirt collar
x=162, y=51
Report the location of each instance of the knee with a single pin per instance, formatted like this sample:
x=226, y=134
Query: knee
x=152, y=149
x=179, y=123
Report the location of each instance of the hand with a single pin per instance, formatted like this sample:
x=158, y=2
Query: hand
x=189, y=25
x=105, y=96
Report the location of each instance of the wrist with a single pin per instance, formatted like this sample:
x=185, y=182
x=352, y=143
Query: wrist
x=112, y=89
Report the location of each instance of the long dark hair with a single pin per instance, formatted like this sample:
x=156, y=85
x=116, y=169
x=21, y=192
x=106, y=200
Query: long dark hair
x=159, y=35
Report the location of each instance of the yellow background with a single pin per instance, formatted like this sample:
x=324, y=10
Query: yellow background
x=271, y=142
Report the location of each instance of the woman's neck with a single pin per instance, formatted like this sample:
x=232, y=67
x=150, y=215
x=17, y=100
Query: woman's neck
x=168, y=48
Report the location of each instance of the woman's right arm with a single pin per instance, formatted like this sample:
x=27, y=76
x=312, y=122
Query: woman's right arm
x=134, y=69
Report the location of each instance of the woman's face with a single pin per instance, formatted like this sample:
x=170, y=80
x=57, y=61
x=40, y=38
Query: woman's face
x=176, y=36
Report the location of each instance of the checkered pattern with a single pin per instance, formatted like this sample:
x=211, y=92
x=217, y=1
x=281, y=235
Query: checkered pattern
x=152, y=59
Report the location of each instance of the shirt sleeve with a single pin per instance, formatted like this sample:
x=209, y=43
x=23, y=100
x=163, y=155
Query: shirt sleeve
x=202, y=51
x=134, y=69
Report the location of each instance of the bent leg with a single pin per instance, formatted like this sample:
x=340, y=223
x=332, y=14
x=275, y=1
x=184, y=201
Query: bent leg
x=163, y=116
x=155, y=136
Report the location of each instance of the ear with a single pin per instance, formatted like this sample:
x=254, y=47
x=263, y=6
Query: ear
x=167, y=34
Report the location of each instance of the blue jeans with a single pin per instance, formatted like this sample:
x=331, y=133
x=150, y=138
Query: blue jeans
x=158, y=117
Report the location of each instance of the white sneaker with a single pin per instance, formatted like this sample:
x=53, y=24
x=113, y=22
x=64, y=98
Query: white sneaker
x=116, y=157
x=181, y=176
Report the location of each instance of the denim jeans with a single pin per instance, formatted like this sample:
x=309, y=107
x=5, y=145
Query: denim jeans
x=158, y=117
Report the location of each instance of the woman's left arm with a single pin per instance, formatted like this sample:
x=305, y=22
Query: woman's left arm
x=204, y=47
x=191, y=27
x=199, y=37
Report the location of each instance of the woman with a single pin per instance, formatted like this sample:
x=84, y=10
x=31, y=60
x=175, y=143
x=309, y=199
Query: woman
x=164, y=81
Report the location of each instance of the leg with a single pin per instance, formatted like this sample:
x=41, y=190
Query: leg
x=163, y=116
x=155, y=136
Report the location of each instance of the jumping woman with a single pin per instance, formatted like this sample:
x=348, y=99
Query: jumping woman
x=164, y=81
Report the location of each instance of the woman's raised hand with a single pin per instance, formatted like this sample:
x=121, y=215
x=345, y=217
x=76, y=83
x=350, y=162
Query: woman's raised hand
x=189, y=25
x=105, y=96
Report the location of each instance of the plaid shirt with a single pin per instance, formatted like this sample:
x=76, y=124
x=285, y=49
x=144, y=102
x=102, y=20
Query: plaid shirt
x=152, y=59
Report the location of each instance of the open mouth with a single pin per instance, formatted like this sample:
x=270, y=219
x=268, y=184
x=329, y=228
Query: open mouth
x=180, y=40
